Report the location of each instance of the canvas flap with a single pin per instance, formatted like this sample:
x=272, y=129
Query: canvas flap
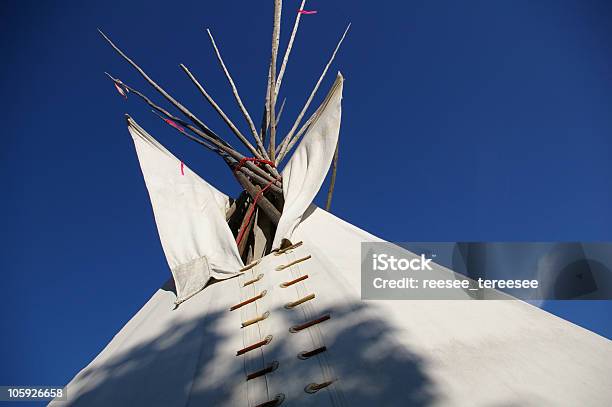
x=190, y=217
x=306, y=170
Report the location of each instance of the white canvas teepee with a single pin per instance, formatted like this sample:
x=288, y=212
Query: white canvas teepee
x=290, y=328
x=392, y=353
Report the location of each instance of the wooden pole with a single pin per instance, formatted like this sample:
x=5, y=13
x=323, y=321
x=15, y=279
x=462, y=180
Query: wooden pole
x=256, y=172
x=289, y=135
x=247, y=229
x=280, y=111
x=165, y=94
x=269, y=209
x=288, y=50
x=243, y=109
x=221, y=113
x=265, y=120
x=278, y=5
x=311, y=119
x=332, y=182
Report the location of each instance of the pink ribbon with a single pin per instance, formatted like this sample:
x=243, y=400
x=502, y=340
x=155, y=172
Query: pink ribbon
x=173, y=124
x=182, y=168
x=120, y=90
x=307, y=12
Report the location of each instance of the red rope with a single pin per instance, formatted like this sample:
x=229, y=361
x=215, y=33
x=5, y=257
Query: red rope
x=252, y=209
x=257, y=161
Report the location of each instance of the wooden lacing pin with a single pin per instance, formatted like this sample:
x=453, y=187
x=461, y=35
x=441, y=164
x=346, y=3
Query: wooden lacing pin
x=256, y=320
x=250, y=265
x=282, y=267
x=268, y=369
x=250, y=300
x=298, y=328
x=290, y=283
x=311, y=353
x=256, y=279
x=276, y=401
x=254, y=346
x=286, y=249
x=315, y=387
x=300, y=301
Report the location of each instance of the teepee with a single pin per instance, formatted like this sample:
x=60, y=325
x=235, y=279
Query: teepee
x=263, y=307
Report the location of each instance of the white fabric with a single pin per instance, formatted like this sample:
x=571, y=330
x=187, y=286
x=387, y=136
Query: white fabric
x=306, y=170
x=388, y=353
x=421, y=352
x=190, y=217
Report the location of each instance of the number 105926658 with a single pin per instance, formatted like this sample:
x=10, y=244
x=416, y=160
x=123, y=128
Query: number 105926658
x=15, y=393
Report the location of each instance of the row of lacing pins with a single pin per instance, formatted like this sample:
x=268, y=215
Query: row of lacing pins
x=312, y=387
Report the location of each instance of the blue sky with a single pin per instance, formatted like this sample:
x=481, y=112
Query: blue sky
x=483, y=121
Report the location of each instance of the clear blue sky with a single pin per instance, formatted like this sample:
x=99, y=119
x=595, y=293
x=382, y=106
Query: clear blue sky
x=488, y=120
